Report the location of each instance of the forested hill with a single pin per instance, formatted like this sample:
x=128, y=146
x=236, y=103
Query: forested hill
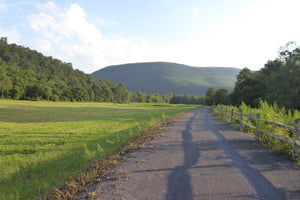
x=163, y=77
x=27, y=74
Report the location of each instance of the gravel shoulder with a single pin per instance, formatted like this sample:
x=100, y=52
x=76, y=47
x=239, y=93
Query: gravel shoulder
x=198, y=157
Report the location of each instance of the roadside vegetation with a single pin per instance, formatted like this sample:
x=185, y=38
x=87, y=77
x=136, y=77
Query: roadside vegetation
x=45, y=144
x=268, y=112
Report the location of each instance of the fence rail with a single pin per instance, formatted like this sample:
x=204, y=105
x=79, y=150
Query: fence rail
x=278, y=125
x=296, y=128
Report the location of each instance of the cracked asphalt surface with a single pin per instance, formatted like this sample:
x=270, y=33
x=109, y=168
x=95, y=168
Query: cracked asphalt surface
x=198, y=157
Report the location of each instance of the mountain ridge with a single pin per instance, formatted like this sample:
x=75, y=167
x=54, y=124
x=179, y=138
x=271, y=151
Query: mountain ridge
x=167, y=77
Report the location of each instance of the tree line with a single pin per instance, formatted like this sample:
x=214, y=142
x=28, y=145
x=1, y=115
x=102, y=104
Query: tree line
x=26, y=74
x=277, y=82
x=167, y=98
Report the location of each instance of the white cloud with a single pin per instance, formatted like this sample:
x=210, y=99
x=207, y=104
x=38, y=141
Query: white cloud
x=13, y=32
x=44, y=45
x=67, y=35
x=49, y=7
x=247, y=41
x=98, y=21
x=4, y=6
x=196, y=13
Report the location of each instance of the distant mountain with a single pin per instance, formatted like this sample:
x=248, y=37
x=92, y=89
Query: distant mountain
x=163, y=77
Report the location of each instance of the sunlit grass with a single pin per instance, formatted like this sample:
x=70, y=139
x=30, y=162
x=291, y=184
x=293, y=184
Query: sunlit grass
x=42, y=144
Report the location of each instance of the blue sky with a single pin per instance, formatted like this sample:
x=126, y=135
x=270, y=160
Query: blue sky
x=95, y=34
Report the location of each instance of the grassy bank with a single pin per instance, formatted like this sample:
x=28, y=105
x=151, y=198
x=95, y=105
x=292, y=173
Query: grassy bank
x=43, y=144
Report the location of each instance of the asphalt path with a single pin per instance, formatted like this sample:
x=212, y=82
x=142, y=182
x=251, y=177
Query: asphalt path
x=198, y=157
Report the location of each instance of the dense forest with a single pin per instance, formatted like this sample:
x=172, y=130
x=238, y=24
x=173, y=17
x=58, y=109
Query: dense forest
x=277, y=82
x=26, y=74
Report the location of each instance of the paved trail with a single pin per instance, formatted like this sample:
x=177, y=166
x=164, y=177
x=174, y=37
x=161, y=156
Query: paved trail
x=198, y=157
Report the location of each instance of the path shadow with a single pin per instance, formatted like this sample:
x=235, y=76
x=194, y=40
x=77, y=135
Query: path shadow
x=263, y=187
x=179, y=180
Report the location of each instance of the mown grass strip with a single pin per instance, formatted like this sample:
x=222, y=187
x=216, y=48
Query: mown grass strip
x=44, y=144
x=79, y=187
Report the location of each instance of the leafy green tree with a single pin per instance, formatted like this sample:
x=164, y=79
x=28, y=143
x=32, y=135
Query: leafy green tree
x=167, y=97
x=278, y=81
x=209, y=96
x=149, y=98
x=156, y=98
x=106, y=94
x=141, y=97
x=216, y=96
x=5, y=84
x=80, y=94
x=15, y=92
x=248, y=88
x=221, y=97
x=121, y=93
x=132, y=97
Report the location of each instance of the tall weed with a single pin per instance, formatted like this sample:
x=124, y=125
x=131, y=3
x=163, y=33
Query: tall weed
x=271, y=113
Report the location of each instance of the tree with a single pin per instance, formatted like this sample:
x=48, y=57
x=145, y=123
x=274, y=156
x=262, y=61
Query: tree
x=243, y=76
x=288, y=52
x=167, y=97
x=209, y=96
x=149, y=98
x=278, y=81
x=15, y=92
x=5, y=84
x=221, y=97
x=248, y=88
x=156, y=98
x=121, y=93
x=141, y=97
x=80, y=94
x=216, y=96
x=106, y=94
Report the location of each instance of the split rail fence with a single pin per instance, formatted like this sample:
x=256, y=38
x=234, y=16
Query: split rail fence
x=296, y=128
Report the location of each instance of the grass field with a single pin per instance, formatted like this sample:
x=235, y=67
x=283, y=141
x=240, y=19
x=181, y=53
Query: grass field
x=43, y=144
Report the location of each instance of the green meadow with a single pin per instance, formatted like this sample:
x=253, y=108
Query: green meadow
x=44, y=144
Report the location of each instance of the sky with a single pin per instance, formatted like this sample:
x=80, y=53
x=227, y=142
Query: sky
x=94, y=34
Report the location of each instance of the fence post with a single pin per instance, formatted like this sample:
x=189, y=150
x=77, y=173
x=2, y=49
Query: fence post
x=241, y=119
x=257, y=126
x=232, y=115
x=226, y=112
x=296, y=135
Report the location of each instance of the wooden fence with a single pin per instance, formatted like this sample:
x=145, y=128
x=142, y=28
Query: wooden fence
x=296, y=128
